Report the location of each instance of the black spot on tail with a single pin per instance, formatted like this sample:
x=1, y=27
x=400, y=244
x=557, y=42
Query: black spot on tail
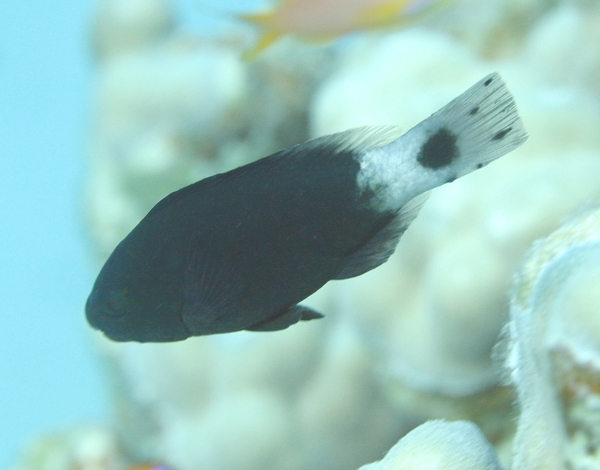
x=500, y=135
x=474, y=111
x=439, y=150
x=487, y=82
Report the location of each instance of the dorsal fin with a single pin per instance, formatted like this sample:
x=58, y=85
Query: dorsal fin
x=358, y=139
x=380, y=247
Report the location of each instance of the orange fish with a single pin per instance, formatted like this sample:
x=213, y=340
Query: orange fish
x=149, y=466
x=326, y=19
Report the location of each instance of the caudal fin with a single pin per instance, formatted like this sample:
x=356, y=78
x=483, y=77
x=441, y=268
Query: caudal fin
x=472, y=130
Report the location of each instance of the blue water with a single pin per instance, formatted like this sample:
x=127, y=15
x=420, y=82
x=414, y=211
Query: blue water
x=49, y=378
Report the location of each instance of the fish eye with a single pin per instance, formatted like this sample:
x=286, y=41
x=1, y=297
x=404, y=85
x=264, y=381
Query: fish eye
x=114, y=305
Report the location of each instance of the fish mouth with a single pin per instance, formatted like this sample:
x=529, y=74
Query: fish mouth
x=116, y=336
x=104, y=317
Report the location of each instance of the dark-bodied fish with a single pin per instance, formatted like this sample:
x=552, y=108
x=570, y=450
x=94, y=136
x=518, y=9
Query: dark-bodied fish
x=239, y=250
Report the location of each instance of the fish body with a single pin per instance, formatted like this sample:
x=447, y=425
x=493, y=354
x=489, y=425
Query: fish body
x=326, y=19
x=240, y=250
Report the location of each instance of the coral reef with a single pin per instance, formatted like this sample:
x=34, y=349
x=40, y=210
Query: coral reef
x=433, y=313
x=294, y=400
x=172, y=108
x=553, y=352
x=411, y=341
x=440, y=445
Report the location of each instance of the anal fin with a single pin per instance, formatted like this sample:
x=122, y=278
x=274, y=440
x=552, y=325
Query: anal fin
x=286, y=318
x=382, y=245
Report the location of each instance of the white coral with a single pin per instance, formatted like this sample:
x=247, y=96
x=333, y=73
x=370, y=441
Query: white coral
x=440, y=445
x=554, y=347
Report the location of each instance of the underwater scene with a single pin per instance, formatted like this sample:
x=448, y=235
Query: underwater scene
x=409, y=281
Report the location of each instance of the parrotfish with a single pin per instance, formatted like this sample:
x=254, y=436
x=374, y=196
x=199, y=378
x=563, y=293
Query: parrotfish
x=240, y=250
x=326, y=19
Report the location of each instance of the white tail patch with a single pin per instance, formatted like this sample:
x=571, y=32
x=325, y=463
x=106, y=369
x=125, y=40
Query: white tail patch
x=474, y=129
